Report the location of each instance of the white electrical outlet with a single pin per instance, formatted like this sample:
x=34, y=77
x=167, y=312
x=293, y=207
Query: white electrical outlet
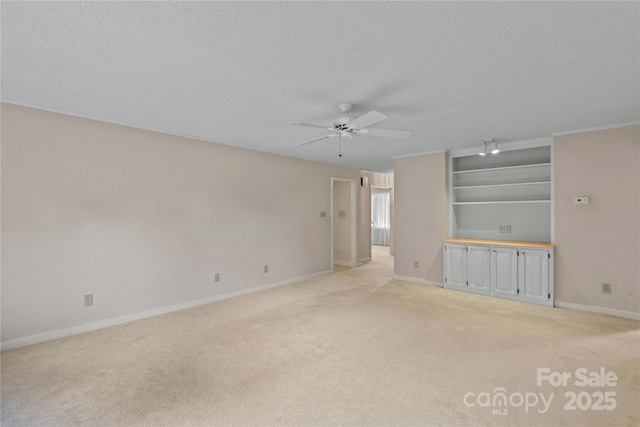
x=88, y=300
x=508, y=228
x=216, y=277
x=501, y=229
x=266, y=268
x=582, y=200
x=606, y=288
x=416, y=264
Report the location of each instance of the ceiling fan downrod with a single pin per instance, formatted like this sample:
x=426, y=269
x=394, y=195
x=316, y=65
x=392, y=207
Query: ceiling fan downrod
x=346, y=108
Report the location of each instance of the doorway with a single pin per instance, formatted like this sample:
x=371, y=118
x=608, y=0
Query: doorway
x=380, y=216
x=343, y=221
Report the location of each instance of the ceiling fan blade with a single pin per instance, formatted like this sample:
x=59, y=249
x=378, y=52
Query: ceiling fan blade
x=387, y=133
x=368, y=119
x=314, y=140
x=311, y=125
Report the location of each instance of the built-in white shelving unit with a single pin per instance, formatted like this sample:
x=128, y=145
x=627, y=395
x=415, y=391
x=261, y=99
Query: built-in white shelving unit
x=501, y=222
x=506, y=196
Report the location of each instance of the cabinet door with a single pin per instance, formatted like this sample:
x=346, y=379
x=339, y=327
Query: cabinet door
x=504, y=282
x=534, y=275
x=479, y=269
x=454, y=266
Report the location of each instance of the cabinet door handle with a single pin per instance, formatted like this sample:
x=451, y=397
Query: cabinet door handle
x=494, y=250
x=488, y=249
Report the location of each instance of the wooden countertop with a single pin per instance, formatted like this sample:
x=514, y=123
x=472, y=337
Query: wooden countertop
x=541, y=245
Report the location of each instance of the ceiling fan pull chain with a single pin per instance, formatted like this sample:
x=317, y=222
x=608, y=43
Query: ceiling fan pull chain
x=340, y=145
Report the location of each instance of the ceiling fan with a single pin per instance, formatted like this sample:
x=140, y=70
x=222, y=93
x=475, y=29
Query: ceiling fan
x=349, y=127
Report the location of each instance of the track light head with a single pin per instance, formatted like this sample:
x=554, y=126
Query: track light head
x=494, y=149
x=489, y=145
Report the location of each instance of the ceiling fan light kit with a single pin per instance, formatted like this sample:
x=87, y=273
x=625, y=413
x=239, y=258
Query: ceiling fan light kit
x=349, y=128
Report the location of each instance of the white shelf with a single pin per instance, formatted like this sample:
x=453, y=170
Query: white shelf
x=468, y=187
x=495, y=202
x=504, y=168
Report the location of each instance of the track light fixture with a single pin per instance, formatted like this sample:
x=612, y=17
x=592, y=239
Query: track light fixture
x=490, y=145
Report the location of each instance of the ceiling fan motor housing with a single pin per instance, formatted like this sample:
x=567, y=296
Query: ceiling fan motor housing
x=344, y=129
x=346, y=108
x=342, y=124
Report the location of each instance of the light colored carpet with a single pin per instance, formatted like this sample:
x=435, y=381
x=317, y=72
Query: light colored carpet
x=350, y=348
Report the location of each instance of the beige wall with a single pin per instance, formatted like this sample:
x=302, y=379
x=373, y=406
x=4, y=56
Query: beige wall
x=143, y=220
x=421, y=216
x=598, y=242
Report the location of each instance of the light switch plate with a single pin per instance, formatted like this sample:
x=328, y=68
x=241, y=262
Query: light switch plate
x=88, y=300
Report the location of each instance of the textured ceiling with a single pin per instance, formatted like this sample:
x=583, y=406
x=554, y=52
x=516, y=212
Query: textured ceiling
x=240, y=73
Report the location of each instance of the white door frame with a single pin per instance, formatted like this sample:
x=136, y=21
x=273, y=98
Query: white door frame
x=353, y=195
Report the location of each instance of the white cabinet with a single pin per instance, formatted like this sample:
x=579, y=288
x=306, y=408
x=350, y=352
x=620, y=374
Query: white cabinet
x=504, y=278
x=479, y=269
x=533, y=272
x=454, y=261
x=500, y=268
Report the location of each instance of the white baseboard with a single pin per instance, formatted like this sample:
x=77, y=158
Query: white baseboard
x=345, y=263
x=599, y=310
x=420, y=281
x=61, y=333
